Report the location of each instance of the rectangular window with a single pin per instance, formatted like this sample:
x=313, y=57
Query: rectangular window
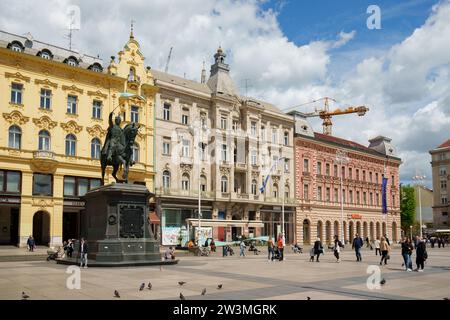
x=46, y=99
x=358, y=200
x=42, y=184
x=253, y=129
x=444, y=200
x=443, y=185
x=327, y=169
x=343, y=196
x=95, y=183
x=328, y=194
x=306, y=192
x=357, y=174
x=336, y=195
x=185, y=119
x=77, y=186
x=96, y=109
x=364, y=198
x=72, y=104
x=350, y=173
x=393, y=180
x=224, y=153
x=274, y=135
x=12, y=179
x=378, y=199
x=364, y=175
x=376, y=177
x=263, y=133
x=335, y=169
x=286, y=138
x=343, y=172
x=442, y=172
x=134, y=114
x=319, y=193
x=235, y=125
x=350, y=196
x=16, y=93
x=203, y=151
x=370, y=176
x=286, y=165
x=185, y=148
x=166, y=112
x=319, y=167
x=83, y=186
x=254, y=157
x=371, y=199
x=166, y=146
x=305, y=165
x=69, y=186
x=223, y=123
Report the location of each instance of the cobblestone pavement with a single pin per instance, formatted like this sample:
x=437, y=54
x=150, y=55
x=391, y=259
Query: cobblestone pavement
x=250, y=277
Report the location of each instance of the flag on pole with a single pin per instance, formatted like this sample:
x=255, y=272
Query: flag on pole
x=268, y=177
x=383, y=195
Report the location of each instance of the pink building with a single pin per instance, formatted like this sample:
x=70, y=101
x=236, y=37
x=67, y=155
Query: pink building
x=318, y=187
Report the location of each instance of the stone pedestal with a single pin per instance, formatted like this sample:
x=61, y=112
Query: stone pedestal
x=116, y=227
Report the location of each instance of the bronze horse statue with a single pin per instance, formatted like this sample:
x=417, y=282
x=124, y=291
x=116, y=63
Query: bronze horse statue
x=117, y=150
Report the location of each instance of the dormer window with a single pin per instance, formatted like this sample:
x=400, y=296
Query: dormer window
x=46, y=54
x=16, y=46
x=72, y=61
x=132, y=75
x=96, y=67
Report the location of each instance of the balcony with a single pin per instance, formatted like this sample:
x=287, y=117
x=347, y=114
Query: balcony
x=242, y=196
x=183, y=193
x=44, y=161
x=240, y=166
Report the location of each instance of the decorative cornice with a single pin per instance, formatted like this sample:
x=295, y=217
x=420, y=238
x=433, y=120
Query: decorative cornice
x=97, y=93
x=225, y=170
x=96, y=131
x=46, y=82
x=17, y=75
x=71, y=127
x=186, y=167
x=45, y=122
x=73, y=88
x=15, y=117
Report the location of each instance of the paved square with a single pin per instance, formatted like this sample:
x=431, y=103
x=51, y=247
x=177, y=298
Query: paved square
x=252, y=277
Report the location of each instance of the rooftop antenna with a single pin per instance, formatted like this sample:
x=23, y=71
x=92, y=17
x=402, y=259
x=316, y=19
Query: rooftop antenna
x=168, y=60
x=72, y=27
x=247, y=85
x=132, y=28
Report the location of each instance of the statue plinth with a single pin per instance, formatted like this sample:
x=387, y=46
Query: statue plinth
x=116, y=227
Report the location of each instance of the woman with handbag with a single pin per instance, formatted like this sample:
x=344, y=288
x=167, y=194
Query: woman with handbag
x=385, y=248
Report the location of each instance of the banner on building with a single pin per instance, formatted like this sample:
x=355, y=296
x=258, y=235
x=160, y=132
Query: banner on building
x=170, y=236
x=383, y=196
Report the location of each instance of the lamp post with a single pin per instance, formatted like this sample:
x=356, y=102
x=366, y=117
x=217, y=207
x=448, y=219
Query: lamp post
x=410, y=228
x=341, y=159
x=419, y=179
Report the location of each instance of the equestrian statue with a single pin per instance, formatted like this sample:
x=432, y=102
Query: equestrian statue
x=117, y=150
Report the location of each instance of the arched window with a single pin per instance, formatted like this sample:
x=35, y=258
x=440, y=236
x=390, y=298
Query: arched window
x=166, y=179
x=185, y=182
x=286, y=191
x=95, y=148
x=203, y=183
x=224, y=184
x=72, y=61
x=46, y=54
x=254, y=187
x=96, y=67
x=275, y=190
x=44, y=140
x=135, y=154
x=71, y=145
x=16, y=46
x=132, y=75
x=15, y=135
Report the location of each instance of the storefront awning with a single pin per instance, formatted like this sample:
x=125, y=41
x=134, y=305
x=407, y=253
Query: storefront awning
x=154, y=218
x=225, y=223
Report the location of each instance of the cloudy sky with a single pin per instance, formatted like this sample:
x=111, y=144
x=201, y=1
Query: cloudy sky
x=290, y=52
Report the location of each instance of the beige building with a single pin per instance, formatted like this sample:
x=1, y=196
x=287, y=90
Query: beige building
x=55, y=106
x=440, y=166
x=210, y=138
x=426, y=203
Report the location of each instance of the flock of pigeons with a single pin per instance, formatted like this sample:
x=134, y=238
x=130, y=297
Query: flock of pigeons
x=180, y=283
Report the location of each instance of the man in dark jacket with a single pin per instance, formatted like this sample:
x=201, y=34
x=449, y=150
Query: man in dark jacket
x=421, y=255
x=357, y=245
x=318, y=249
x=83, y=253
x=30, y=243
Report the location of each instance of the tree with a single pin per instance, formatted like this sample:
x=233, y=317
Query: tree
x=407, y=207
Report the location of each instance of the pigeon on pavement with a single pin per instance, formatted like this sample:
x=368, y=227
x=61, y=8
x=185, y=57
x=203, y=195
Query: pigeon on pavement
x=203, y=291
x=181, y=283
x=219, y=286
x=25, y=296
x=149, y=286
x=182, y=297
x=383, y=281
x=116, y=294
x=142, y=286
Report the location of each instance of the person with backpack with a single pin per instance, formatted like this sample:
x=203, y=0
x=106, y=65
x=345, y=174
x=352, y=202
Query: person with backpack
x=337, y=248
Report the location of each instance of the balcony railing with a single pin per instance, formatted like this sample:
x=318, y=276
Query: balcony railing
x=242, y=195
x=41, y=154
x=240, y=166
x=184, y=193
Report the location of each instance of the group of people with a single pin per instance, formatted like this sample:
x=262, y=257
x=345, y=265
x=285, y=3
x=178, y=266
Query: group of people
x=276, y=250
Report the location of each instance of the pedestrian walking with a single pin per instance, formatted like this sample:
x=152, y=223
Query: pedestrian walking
x=242, y=247
x=270, y=252
x=31, y=244
x=280, y=246
x=83, y=253
x=311, y=254
x=318, y=249
x=385, y=248
x=376, y=244
x=367, y=242
x=213, y=245
x=337, y=248
x=407, y=249
x=357, y=245
x=421, y=255
x=387, y=239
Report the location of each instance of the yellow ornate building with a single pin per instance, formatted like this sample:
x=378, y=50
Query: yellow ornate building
x=54, y=114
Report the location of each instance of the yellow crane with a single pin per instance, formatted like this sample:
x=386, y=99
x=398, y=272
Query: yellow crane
x=325, y=114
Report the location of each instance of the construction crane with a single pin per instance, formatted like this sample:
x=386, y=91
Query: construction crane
x=168, y=60
x=325, y=114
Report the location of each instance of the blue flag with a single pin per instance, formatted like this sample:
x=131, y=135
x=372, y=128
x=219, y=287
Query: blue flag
x=383, y=196
x=267, y=177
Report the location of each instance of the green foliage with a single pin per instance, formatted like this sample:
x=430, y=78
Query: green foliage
x=407, y=207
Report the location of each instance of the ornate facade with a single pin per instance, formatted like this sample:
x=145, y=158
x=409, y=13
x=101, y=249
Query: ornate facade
x=55, y=105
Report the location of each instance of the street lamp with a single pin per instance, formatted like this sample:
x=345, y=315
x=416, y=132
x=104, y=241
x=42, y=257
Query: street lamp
x=410, y=228
x=419, y=180
x=341, y=159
